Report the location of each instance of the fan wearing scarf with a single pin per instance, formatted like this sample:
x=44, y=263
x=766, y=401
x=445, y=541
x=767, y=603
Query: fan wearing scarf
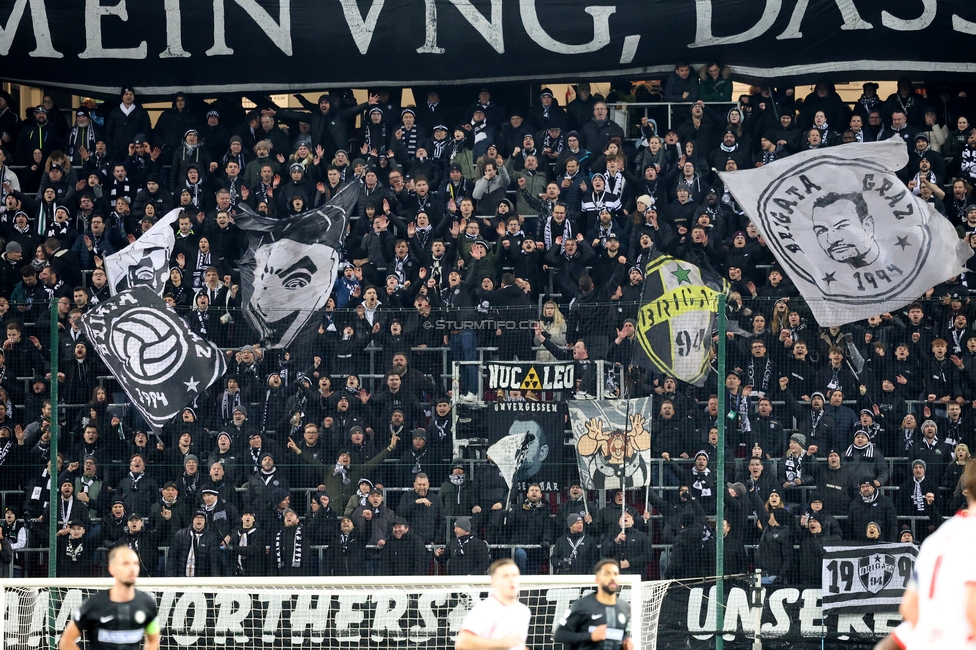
x=928, y=447
x=194, y=551
x=13, y=529
x=137, y=490
x=191, y=153
x=816, y=425
x=221, y=516
x=701, y=479
x=919, y=496
x=796, y=469
x=257, y=446
x=337, y=479
x=872, y=506
x=375, y=519
x=291, y=551
x=247, y=547
x=361, y=497
x=865, y=460
x=265, y=483
x=75, y=553
x=274, y=403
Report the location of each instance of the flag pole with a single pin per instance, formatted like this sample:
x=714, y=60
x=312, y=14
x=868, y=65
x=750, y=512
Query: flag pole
x=623, y=467
x=720, y=482
x=53, y=492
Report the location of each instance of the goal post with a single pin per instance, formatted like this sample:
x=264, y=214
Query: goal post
x=273, y=613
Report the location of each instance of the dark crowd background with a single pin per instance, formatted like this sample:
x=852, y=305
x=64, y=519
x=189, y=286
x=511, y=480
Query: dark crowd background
x=485, y=231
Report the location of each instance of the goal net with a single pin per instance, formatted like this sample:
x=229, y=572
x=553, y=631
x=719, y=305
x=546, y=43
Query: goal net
x=267, y=613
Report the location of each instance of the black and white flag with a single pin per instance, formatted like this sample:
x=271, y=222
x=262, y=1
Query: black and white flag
x=613, y=447
x=847, y=231
x=160, y=363
x=144, y=262
x=290, y=266
x=861, y=578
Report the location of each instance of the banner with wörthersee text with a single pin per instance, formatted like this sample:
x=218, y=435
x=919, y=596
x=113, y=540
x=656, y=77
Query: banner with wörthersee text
x=265, y=619
x=866, y=577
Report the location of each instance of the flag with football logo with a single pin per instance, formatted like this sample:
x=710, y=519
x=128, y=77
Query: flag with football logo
x=290, y=266
x=851, y=236
x=613, y=442
x=144, y=262
x=159, y=362
x=678, y=311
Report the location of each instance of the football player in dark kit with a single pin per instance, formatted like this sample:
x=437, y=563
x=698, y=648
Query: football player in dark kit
x=117, y=619
x=597, y=621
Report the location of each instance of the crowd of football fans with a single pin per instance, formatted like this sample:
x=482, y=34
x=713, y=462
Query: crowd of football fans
x=469, y=213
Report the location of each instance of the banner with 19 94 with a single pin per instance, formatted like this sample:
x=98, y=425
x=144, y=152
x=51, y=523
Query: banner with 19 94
x=866, y=577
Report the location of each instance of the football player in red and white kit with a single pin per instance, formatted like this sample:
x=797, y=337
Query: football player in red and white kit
x=940, y=601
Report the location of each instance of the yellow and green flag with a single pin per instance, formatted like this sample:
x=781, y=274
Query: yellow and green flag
x=677, y=318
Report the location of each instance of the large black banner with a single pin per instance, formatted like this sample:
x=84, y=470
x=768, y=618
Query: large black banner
x=162, y=46
x=792, y=617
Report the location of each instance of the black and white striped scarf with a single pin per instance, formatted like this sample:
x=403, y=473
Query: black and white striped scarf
x=439, y=147
x=756, y=382
x=794, y=467
x=203, y=317
x=228, y=403
x=867, y=451
x=547, y=235
x=296, y=553
x=615, y=183
x=917, y=497
x=409, y=138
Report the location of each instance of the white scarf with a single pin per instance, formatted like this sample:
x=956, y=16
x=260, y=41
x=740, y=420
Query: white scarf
x=191, y=557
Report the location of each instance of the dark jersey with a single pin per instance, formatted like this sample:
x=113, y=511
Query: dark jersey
x=115, y=626
x=575, y=627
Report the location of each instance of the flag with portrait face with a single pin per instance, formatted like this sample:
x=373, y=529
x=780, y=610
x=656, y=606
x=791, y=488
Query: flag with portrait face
x=290, y=266
x=850, y=235
x=144, y=262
